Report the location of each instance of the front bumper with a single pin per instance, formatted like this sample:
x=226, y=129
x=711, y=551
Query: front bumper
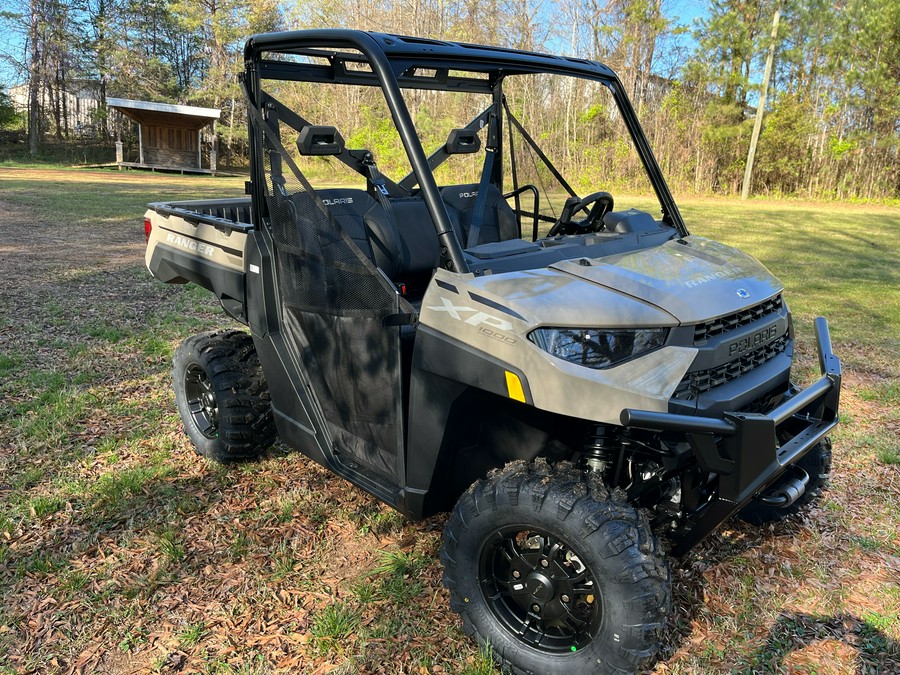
x=743, y=449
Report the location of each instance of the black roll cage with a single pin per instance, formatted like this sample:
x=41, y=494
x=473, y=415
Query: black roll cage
x=398, y=62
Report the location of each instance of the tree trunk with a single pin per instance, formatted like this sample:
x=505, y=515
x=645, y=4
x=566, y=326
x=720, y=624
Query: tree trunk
x=34, y=79
x=760, y=109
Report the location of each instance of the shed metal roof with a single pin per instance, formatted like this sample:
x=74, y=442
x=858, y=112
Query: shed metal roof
x=150, y=112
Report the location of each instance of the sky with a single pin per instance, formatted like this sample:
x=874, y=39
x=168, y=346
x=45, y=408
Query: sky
x=684, y=12
x=687, y=11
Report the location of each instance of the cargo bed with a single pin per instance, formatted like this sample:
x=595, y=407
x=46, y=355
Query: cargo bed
x=201, y=241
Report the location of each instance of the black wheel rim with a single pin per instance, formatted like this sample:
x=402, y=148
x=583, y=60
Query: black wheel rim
x=201, y=400
x=540, y=590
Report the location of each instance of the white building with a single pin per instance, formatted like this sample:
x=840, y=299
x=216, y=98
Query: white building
x=77, y=104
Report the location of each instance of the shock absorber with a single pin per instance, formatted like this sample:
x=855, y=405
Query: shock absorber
x=601, y=448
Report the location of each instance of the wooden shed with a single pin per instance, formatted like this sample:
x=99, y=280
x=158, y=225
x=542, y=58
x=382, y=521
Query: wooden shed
x=169, y=136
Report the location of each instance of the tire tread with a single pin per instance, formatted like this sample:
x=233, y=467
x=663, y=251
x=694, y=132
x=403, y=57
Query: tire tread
x=577, y=499
x=246, y=422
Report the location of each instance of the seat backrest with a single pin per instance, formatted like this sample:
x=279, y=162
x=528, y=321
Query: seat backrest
x=406, y=246
x=418, y=238
x=363, y=219
x=498, y=221
x=420, y=250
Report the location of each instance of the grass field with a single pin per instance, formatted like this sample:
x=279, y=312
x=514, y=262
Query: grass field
x=121, y=551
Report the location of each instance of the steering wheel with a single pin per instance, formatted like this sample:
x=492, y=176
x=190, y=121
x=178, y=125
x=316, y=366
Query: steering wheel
x=600, y=204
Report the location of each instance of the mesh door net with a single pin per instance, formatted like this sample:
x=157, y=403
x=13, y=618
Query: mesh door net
x=333, y=302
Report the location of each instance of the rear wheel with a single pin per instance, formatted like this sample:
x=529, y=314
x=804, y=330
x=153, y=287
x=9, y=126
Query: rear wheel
x=222, y=396
x=817, y=464
x=554, y=574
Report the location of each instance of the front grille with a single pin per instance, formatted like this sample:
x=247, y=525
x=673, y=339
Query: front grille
x=763, y=404
x=708, y=329
x=696, y=383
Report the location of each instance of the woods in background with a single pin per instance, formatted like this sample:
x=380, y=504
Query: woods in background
x=832, y=124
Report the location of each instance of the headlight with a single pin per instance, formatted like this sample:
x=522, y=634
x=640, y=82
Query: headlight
x=598, y=348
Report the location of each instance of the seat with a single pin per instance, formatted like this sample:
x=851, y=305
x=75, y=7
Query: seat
x=419, y=248
x=363, y=219
x=498, y=221
x=405, y=247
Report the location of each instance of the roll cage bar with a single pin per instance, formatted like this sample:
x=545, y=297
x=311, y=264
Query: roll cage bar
x=397, y=62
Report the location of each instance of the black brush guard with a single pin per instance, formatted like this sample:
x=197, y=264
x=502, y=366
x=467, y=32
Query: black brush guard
x=743, y=448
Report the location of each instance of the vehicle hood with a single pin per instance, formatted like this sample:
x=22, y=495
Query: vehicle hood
x=693, y=279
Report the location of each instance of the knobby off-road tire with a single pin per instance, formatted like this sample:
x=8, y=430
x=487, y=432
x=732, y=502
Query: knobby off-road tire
x=817, y=463
x=555, y=574
x=222, y=396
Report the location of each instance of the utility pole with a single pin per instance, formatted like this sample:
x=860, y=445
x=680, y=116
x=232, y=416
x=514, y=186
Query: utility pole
x=757, y=125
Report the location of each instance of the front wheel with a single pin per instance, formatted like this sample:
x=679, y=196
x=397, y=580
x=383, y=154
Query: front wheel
x=555, y=574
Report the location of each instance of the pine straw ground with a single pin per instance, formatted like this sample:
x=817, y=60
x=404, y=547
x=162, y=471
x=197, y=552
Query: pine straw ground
x=122, y=552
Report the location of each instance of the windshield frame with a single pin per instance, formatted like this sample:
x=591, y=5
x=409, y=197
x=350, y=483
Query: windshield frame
x=397, y=63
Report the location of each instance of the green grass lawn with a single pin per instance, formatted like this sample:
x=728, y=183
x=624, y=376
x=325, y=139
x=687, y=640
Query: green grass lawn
x=121, y=551
x=841, y=262
x=96, y=196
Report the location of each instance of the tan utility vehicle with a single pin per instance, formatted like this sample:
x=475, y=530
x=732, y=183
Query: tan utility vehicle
x=581, y=398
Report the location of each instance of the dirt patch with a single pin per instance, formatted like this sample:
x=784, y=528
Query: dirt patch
x=34, y=253
x=54, y=275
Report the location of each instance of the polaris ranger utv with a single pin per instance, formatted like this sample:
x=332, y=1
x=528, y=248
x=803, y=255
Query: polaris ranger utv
x=584, y=387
